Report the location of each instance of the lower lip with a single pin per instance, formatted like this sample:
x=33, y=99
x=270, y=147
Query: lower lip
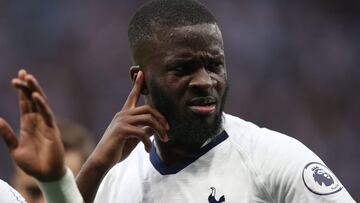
x=203, y=109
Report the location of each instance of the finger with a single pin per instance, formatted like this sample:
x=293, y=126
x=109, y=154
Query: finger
x=143, y=134
x=34, y=85
x=26, y=104
x=21, y=74
x=148, y=131
x=148, y=109
x=150, y=121
x=44, y=109
x=21, y=77
x=22, y=85
x=8, y=135
x=134, y=95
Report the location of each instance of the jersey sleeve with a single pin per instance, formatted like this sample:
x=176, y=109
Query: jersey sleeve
x=293, y=173
x=9, y=194
x=64, y=190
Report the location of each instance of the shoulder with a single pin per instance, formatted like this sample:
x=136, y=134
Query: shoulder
x=138, y=160
x=261, y=144
x=286, y=168
x=123, y=175
x=9, y=194
x=255, y=140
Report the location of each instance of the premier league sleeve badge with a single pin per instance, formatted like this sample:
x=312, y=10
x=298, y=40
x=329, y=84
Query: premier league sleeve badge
x=320, y=180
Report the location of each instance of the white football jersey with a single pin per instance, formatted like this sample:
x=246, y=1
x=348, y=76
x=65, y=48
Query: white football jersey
x=244, y=163
x=9, y=194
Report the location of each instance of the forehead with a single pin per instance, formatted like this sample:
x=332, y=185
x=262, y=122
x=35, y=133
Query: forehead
x=203, y=31
x=186, y=40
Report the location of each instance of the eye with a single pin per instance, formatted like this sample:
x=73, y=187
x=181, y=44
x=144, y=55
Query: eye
x=182, y=68
x=214, y=67
x=178, y=68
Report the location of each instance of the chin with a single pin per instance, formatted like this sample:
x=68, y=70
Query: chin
x=194, y=130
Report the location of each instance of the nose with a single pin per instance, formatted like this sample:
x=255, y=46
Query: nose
x=202, y=79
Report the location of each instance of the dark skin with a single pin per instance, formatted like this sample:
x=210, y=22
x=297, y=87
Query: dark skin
x=120, y=138
x=191, y=58
x=38, y=151
x=184, y=66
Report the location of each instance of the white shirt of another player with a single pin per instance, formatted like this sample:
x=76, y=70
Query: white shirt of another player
x=9, y=194
x=63, y=190
x=244, y=163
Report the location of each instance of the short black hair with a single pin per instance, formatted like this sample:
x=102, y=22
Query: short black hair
x=166, y=14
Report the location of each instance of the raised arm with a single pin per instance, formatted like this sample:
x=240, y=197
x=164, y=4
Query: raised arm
x=125, y=131
x=39, y=151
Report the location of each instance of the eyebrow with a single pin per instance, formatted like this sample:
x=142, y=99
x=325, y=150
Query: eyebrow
x=186, y=59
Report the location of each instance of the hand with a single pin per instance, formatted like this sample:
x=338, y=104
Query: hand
x=39, y=150
x=130, y=126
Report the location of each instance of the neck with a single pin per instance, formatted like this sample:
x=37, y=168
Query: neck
x=173, y=152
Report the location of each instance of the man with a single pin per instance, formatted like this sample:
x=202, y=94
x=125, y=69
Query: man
x=197, y=153
x=38, y=151
x=77, y=147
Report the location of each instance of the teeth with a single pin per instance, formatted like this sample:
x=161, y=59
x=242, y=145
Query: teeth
x=204, y=101
x=208, y=104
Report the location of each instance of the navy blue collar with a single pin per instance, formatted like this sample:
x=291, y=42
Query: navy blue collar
x=164, y=169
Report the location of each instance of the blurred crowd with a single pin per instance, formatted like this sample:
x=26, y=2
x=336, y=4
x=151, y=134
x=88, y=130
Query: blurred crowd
x=292, y=66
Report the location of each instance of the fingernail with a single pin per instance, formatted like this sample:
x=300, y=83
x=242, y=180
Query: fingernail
x=29, y=77
x=22, y=71
x=13, y=81
x=138, y=74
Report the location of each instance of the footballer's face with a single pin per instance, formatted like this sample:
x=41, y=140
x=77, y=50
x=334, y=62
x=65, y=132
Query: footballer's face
x=185, y=77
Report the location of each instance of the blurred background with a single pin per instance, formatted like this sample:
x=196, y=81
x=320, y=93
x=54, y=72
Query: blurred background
x=293, y=67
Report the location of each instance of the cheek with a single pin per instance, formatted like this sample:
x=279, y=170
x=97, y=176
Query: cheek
x=176, y=86
x=221, y=83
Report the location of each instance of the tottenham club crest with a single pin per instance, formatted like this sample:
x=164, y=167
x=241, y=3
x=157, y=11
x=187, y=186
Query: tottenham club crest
x=320, y=180
x=212, y=197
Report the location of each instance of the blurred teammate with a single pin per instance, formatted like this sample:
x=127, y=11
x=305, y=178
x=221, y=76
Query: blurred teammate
x=198, y=153
x=38, y=151
x=77, y=147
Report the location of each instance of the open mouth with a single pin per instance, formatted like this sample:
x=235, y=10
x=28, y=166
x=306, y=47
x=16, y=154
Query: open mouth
x=203, y=105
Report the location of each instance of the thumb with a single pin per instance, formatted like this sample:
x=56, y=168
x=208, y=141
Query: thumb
x=8, y=135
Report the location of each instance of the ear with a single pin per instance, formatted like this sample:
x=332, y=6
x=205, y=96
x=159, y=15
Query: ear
x=133, y=74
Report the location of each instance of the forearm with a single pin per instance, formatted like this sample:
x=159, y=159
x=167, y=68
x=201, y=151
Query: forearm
x=90, y=177
x=62, y=191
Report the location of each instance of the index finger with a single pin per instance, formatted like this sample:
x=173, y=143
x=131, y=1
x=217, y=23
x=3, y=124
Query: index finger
x=8, y=135
x=134, y=95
